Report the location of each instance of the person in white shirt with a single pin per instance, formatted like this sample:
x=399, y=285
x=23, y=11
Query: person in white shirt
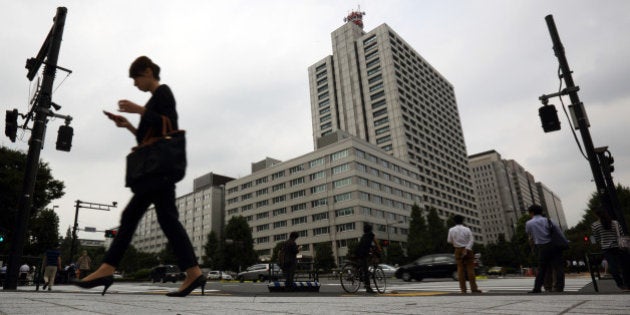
x=462, y=239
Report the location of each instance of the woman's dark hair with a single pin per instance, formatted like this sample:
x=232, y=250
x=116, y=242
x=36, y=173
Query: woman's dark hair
x=141, y=64
x=604, y=218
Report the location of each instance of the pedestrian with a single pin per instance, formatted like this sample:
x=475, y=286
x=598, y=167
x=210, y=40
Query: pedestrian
x=367, y=250
x=84, y=262
x=463, y=240
x=605, y=232
x=290, y=251
x=159, y=191
x=24, y=270
x=549, y=256
x=51, y=263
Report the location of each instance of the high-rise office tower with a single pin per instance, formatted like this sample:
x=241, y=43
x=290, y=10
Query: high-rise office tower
x=375, y=86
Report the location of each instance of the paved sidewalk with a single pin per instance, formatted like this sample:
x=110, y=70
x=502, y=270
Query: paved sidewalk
x=29, y=302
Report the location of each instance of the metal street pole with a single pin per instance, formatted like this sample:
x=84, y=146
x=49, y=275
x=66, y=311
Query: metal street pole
x=603, y=191
x=85, y=205
x=50, y=50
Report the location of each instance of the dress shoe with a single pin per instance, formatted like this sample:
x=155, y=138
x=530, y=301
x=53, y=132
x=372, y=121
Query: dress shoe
x=199, y=282
x=104, y=281
x=45, y=285
x=534, y=291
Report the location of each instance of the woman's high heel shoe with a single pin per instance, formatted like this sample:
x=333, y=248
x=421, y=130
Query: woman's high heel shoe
x=199, y=282
x=104, y=281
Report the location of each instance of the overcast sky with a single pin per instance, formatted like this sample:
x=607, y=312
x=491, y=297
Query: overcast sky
x=238, y=70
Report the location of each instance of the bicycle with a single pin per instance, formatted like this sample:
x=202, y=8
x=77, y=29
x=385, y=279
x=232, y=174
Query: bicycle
x=351, y=276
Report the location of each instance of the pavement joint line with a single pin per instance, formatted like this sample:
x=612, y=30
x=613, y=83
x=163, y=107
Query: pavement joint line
x=572, y=307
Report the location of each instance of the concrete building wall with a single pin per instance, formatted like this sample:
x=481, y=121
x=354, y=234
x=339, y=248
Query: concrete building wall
x=381, y=90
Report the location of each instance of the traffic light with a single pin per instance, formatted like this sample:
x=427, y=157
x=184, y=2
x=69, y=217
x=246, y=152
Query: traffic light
x=11, y=126
x=110, y=233
x=585, y=239
x=1, y=237
x=64, y=138
x=549, y=118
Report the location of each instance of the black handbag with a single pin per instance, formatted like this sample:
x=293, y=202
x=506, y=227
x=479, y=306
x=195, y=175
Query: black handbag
x=557, y=240
x=159, y=157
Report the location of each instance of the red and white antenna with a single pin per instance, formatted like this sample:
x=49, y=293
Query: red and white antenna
x=355, y=17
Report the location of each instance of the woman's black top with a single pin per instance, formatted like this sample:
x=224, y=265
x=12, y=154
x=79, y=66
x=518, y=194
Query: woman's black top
x=162, y=102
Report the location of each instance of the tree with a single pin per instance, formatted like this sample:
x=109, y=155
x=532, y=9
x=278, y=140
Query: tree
x=324, y=258
x=134, y=260
x=211, y=251
x=396, y=254
x=437, y=233
x=240, y=252
x=166, y=255
x=417, y=238
x=44, y=233
x=276, y=250
x=66, y=244
x=12, y=168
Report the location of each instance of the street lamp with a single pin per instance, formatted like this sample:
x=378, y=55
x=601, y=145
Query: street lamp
x=85, y=205
x=387, y=225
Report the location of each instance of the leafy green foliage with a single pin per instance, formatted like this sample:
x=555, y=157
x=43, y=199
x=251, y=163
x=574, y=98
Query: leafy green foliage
x=212, y=255
x=324, y=259
x=240, y=253
x=12, y=168
x=417, y=238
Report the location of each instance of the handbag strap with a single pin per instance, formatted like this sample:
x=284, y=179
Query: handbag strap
x=167, y=127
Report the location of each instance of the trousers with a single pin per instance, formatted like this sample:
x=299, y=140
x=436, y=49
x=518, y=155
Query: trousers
x=549, y=260
x=49, y=275
x=465, y=269
x=163, y=198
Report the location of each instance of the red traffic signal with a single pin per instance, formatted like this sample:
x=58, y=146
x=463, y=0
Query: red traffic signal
x=110, y=233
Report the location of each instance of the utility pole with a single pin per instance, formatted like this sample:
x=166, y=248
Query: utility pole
x=606, y=190
x=50, y=51
x=85, y=205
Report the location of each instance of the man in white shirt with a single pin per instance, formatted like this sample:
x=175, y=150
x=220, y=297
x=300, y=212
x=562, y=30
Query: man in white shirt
x=462, y=239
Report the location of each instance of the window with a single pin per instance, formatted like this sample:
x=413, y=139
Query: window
x=345, y=227
x=383, y=139
x=278, y=212
x=262, y=227
x=342, y=182
x=297, y=181
x=261, y=192
x=298, y=207
x=300, y=220
x=275, y=188
x=372, y=63
x=246, y=196
x=246, y=185
x=381, y=121
x=339, y=155
x=342, y=197
x=298, y=194
x=378, y=104
x=321, y=230
x=380, y=112
x=277, y=175
x=247, y=207
x=296, y=169
x=326, y=125
x=320, y=216
x=261, y=180
x=317, y=162
x=279, y=224
x=344, y=212
x=318, y=189
x=279, y=199
x=319, y=202
x=377, y=95
x=280, y=237
x=318, y=175
x=262, y=215
x=262, y=203
x=341, y=168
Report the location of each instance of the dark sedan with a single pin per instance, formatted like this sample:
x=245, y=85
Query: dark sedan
x=429, y=266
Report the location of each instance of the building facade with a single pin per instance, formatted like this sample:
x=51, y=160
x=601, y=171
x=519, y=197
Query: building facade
x=375, y=86
x=200, y=212
x=505, y=190
x=326, y=196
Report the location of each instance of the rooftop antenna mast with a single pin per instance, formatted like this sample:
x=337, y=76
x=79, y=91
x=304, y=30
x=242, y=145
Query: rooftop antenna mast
x=355, y=17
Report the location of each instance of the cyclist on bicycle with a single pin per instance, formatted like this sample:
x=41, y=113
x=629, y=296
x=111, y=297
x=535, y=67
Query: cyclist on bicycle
x=368, y=248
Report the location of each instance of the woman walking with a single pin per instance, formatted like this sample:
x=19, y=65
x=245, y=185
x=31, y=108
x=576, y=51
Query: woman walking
x=158, y=190
x=605, y=232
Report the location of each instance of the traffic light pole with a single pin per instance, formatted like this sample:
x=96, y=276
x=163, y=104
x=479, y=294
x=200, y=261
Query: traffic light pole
x=42, y=108
x=606, y=193
x=85, y=205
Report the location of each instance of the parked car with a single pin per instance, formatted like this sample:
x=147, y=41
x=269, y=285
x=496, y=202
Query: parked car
x=429, y=266
x=389, y=270
x=260, y=272
x=164, y=273
x=218, y=275
x=497, y=270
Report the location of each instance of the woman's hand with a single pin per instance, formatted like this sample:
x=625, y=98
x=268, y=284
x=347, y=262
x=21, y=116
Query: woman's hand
x=126, y=106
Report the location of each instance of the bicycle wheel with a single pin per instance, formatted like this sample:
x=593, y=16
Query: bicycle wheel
x=379, y=279
x=350, y=278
